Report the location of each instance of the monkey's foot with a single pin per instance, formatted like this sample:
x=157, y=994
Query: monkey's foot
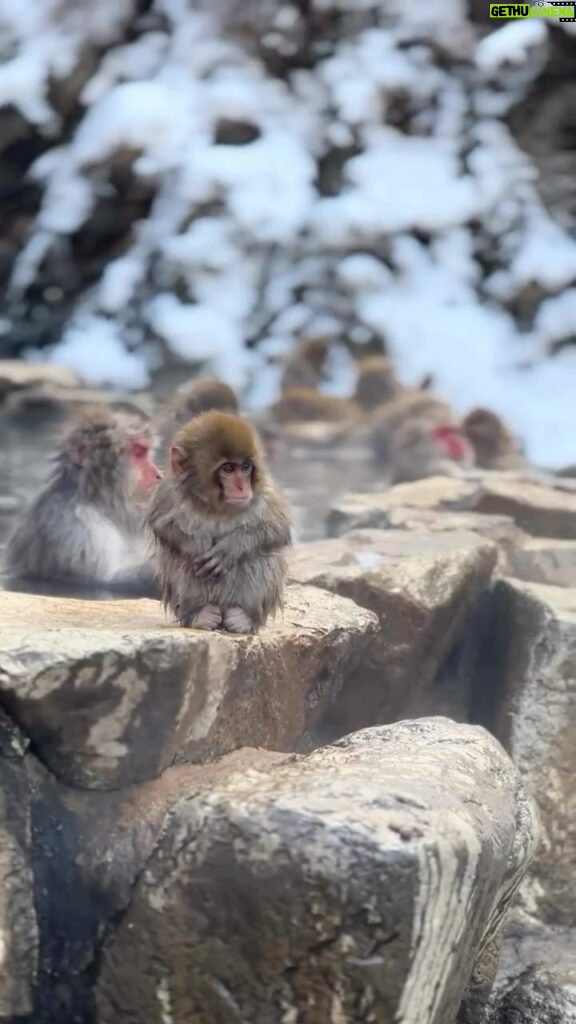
x=237, y=621
x=209, y=617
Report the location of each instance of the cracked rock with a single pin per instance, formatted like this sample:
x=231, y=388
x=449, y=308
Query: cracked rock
x=527, y=697
x=359, y=883
x=423, y=588
x=109, y=694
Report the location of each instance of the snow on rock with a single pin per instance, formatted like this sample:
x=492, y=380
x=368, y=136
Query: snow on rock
x=243, y=172
x=94, y=345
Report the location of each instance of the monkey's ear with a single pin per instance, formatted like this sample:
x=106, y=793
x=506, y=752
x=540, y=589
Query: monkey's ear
x=176, y=459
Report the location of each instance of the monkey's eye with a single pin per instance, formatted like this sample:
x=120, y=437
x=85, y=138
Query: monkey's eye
x=227, y=468
x=246, y=466
x=139, y=450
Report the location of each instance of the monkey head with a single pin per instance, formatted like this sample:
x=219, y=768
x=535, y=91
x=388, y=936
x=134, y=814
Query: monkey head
x=110, y=450
x=218, y=460
x=204, y=394
x=488, y=434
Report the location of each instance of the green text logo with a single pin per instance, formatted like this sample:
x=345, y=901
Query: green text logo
x=541, y=9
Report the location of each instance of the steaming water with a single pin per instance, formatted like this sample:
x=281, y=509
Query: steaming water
x=312, y=478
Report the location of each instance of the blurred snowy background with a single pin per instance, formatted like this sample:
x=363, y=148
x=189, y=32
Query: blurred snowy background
x=201, y=182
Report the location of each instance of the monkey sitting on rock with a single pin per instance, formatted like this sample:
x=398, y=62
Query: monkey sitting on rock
x=86, y=525
x=221, y=528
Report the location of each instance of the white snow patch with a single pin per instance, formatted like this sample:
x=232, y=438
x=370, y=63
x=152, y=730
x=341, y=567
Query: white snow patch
x=93, y=348
x=399, y=183
x=556, y=318
x=119, y=280
x=199, y=333
x=148, y=116
x=510, y=44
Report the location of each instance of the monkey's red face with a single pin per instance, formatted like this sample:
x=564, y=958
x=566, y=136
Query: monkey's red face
x=452, y=442
x=235, y=480
x=146, y=474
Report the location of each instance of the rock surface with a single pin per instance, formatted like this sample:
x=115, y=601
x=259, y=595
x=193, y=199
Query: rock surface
x=48, y=401
x=423, y=588
x=356, y=884
x=536, y=982
x=536, y=506
x=540, y=996
x=18, y=924
x=89, y=849
x=545, y=560
x=16, y=374
x=527, y=697
x=374, y=511
x=109, y=694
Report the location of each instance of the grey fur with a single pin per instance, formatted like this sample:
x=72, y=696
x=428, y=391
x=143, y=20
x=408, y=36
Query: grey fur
x=85, y=526
x=245, y=549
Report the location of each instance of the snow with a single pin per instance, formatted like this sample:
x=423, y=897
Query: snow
x=93, y=347
x=511, y=44
x=199, y=334
x=556, y=318
x=381, y=191
x=146, y=116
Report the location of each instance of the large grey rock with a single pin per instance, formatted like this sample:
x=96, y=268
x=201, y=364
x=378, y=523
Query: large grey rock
x=89, y=849
x=423, y=588
x=16, y=374
x=18, y=924
x=545, y=560
x=542, y=995
x=536, y=982
x=46, y=402
x=361, y=510
x=539, y=506
x=109, y=694
x=527, y=697
x=357, y=884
